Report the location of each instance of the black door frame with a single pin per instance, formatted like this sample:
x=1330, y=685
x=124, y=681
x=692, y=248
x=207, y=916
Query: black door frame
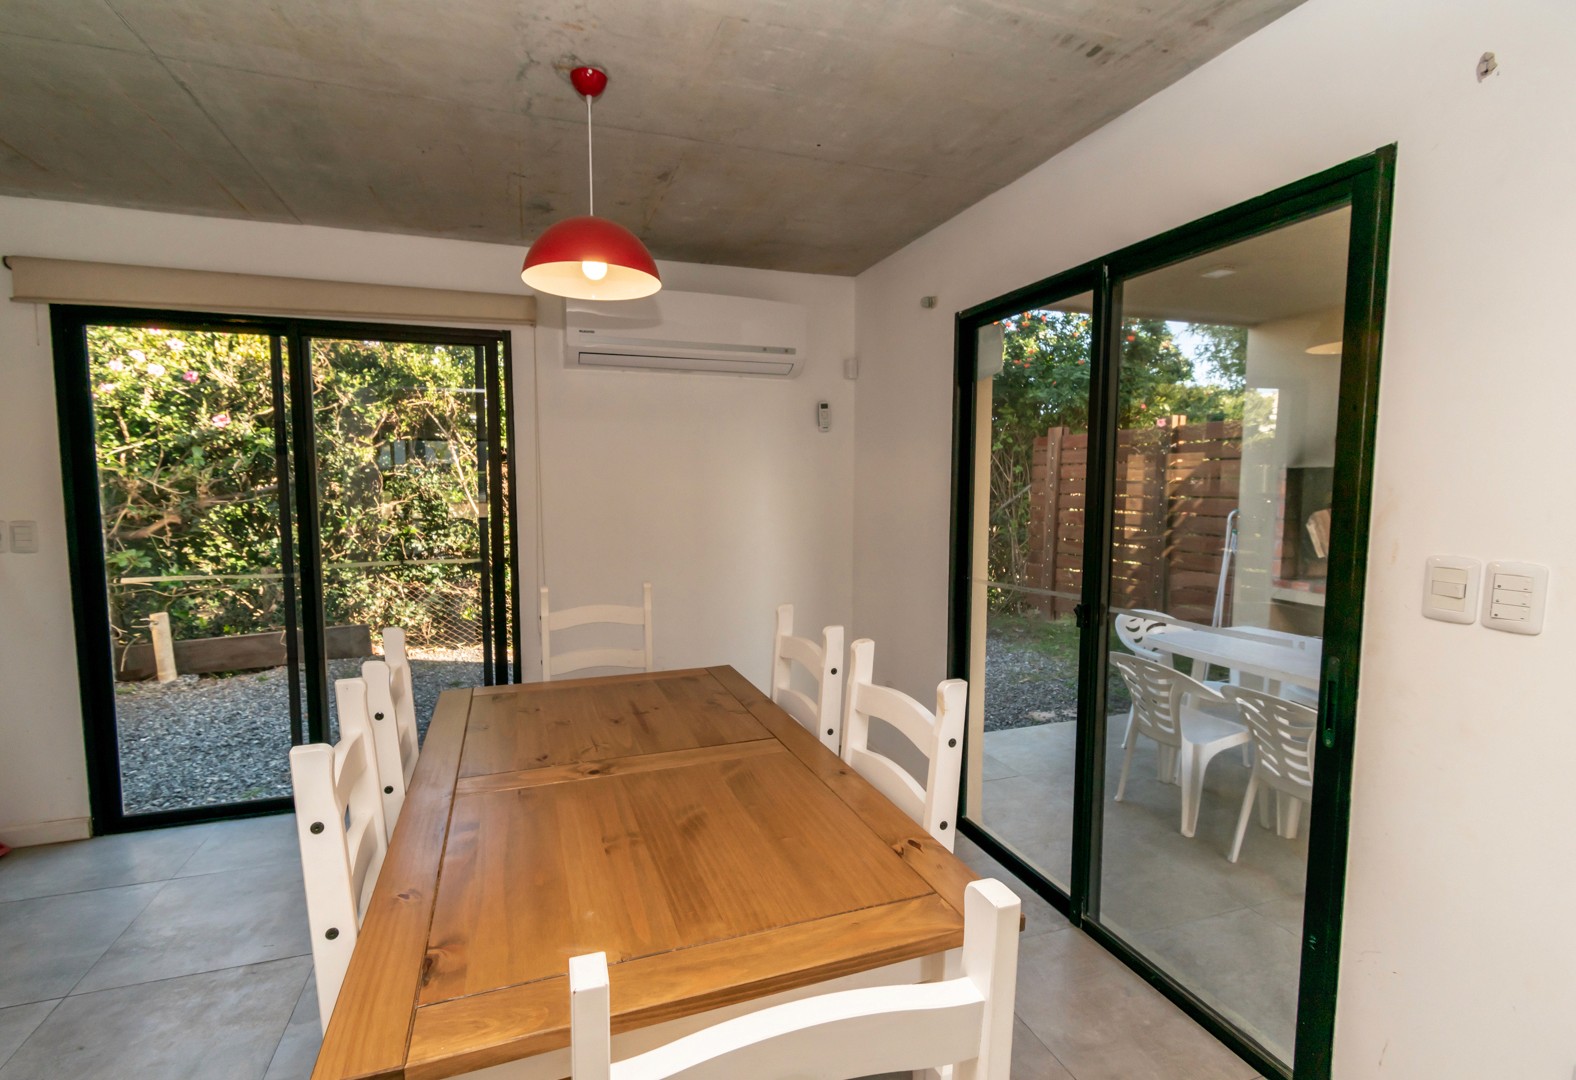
x=1366, y=185
x=295, y=440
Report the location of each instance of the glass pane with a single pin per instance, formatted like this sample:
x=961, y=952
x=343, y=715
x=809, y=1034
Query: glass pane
x=184, y=424
x=401, y=509
x=1228, y=381
x=1029, y=539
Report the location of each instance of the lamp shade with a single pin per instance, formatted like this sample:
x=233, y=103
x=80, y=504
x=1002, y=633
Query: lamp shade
x=590, y=258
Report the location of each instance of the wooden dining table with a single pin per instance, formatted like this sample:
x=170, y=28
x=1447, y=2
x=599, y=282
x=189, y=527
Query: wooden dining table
x=678, y=821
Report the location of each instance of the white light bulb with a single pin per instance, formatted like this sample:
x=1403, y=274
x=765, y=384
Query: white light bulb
x=596, y=271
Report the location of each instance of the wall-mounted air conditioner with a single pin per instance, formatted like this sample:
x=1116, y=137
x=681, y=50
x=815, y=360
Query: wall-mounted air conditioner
x=678, y=331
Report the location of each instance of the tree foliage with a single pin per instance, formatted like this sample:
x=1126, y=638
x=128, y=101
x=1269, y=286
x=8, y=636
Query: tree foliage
x=189, y=484
x=1044, y=383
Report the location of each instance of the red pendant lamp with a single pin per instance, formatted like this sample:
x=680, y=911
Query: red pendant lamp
x=590, y=258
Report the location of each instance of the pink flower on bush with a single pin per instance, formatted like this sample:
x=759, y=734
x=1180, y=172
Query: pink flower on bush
x=138, y=354
x=220, y=420
x=105, y=388
x=156, y=369
x=116, y=365
x=189, y=376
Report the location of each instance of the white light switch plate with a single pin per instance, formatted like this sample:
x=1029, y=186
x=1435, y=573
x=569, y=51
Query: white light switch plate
x=1513, y=597
x=1450, y=588
x=24, y=537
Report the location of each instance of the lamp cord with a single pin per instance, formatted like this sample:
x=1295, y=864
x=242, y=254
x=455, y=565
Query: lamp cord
x=590, y=175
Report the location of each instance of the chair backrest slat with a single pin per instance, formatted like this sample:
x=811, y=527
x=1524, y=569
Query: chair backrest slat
x=641, y=659
x=964, y=1021
x=1158, y=694
x=938, y=735
x=822, y=714
x=403, y=691
x=343, y=837
x=1283, y=738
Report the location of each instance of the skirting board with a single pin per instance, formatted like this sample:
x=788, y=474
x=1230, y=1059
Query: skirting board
x=46, y=832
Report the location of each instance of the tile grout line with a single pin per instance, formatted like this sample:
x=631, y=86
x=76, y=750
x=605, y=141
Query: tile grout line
x=36, y=1027
x=129, y=922
x=311, y=974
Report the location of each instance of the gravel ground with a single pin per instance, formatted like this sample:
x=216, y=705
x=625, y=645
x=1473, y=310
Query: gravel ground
x=206, y=740
x=1025, y=688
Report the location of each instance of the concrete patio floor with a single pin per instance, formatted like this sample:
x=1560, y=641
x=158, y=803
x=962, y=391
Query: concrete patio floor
x=1230, y=933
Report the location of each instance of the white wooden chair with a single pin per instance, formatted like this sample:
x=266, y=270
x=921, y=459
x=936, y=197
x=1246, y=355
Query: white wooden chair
x=590, y=614
x=1283, y=734
x=401, y=687
x=938, y=735
x=822, y=714
x=393, y=737
x=339, y=822
x=964, y=1021
x=1167, y=707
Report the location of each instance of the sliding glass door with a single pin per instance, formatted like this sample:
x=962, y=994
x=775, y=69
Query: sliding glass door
x=1166, y=482
x=252, y=501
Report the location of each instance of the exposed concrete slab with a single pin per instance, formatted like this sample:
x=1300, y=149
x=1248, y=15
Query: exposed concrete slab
x=797, y=134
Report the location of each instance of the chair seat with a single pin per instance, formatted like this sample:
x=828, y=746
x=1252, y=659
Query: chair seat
x=1211, y=728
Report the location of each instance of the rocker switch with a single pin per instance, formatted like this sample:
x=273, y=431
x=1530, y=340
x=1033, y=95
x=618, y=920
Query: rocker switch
x=1450, y=589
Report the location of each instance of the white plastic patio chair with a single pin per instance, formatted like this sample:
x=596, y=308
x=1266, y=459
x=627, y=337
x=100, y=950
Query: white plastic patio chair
x=393, y=737
x=938, y=735
x=1167, y=708
x=1283, y=735
x=339, y=824
x=964, y=1021
x=823, y=714
x=617, y=614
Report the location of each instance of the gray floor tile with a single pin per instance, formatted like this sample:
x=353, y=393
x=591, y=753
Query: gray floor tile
x=209, y=922
x=1031, y=1058
x=1243, y=964
x=100, y=863
x=244, y=844
x=18, y=1022
x=1102, y=1022
x=297, y=1051
x=222, y=1024
x=53, y=940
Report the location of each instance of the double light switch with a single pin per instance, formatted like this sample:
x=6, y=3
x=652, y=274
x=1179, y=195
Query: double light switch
x=1511, y=597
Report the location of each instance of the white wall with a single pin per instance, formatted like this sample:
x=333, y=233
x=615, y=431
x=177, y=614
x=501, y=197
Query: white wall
x=1459, y=955
x=718, y=489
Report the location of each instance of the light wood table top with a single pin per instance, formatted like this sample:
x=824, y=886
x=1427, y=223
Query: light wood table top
x=678, y=821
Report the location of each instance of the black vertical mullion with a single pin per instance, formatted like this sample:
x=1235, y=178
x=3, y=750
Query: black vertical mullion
x=507, y=451
x=1099, y=498
x=1356, y=416
x=303, y=433
x=90, y=575
x=497, y=514
x=287, y=562
x=484, y=453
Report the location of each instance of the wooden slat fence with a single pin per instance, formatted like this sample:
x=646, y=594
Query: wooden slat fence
x=1175, y=485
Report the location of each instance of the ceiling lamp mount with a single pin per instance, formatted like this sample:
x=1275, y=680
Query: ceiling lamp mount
x=590, y=258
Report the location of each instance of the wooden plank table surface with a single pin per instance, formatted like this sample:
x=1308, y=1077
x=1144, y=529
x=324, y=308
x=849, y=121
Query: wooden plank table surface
x=678, y=821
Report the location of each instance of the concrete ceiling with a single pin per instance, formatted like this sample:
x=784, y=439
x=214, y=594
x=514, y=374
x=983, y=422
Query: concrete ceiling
x=813, y=135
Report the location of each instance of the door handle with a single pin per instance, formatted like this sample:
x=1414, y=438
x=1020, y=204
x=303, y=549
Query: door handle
x=1330, y=701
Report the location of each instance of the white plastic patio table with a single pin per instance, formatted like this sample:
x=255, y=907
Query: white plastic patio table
x=1264, y=658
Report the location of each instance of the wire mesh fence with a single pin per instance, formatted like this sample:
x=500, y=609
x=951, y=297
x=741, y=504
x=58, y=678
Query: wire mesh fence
x=438, y=602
